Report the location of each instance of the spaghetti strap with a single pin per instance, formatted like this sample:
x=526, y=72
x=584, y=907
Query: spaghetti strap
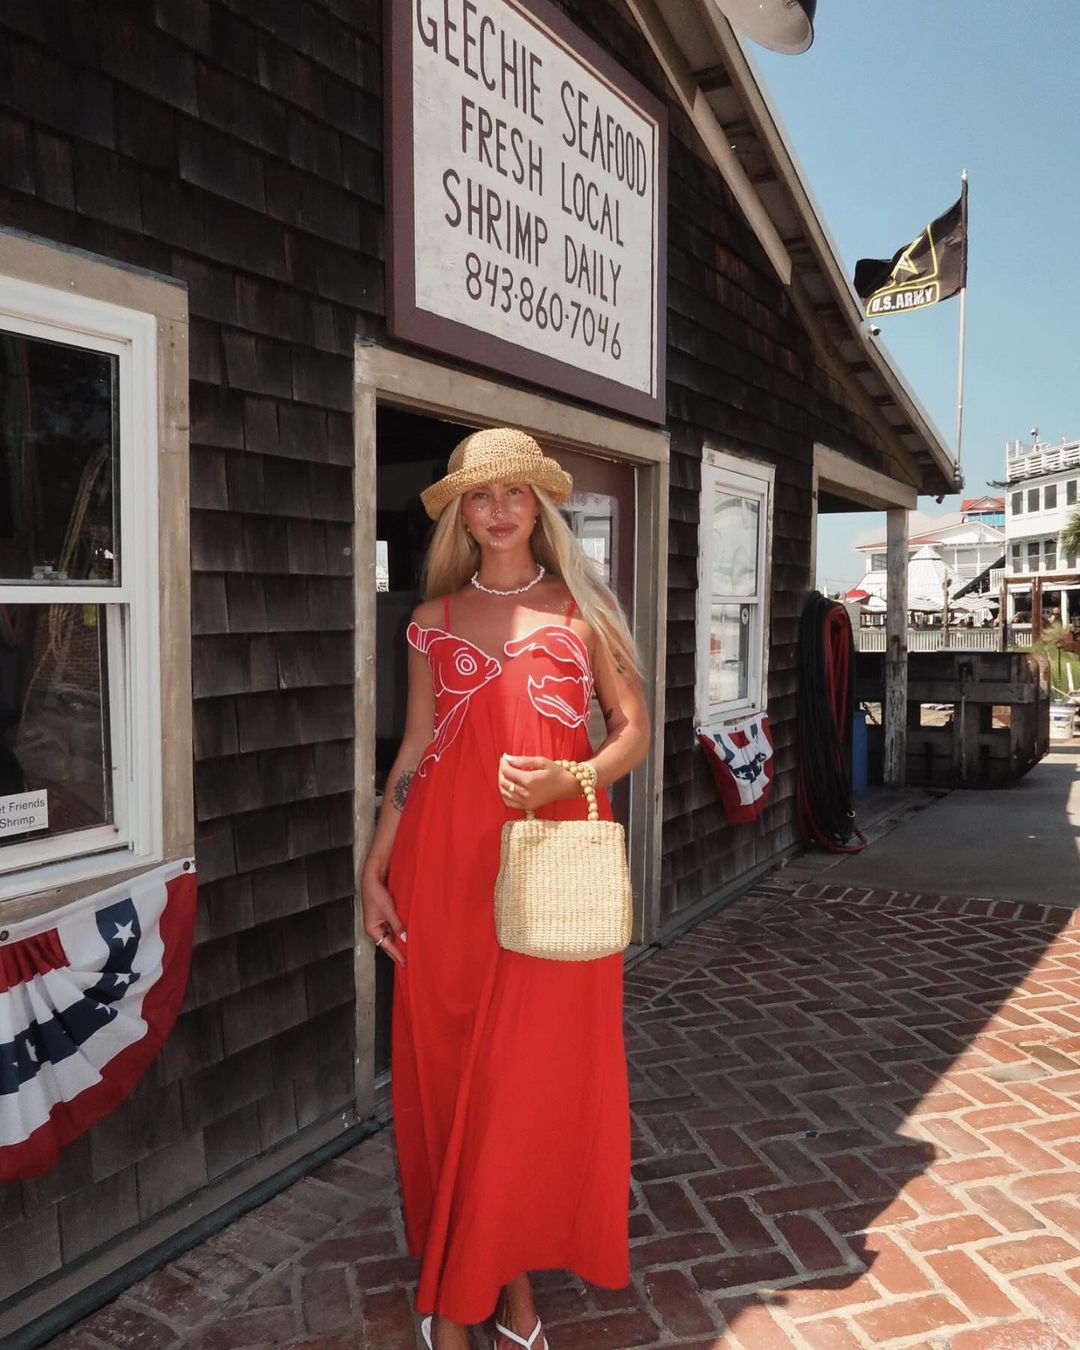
x=446, y=612
x=569, y=612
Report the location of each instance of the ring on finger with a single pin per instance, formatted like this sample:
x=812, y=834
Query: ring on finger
x=382, y=940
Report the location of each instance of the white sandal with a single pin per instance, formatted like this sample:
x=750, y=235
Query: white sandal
x=530, y=1344
x=425, y=1331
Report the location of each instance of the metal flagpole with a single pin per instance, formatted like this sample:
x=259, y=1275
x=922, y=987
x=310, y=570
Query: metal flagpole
x=963, y=320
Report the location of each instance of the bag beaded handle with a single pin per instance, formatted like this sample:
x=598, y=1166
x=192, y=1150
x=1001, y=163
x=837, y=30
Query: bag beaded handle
x=586, y=779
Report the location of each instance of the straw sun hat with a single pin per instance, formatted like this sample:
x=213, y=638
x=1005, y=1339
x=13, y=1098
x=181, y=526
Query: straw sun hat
x=496, y=455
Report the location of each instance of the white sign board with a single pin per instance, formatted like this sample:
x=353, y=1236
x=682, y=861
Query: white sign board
x=528, y=200
x=23, y=814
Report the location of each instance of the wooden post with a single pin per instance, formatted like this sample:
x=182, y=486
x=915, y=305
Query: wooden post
x=945, y=613
x=1004, y=605
x=896, y=656
x=1036, y=610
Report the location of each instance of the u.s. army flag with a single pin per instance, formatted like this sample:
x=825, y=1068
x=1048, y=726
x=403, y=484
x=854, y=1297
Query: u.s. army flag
x=932, y=267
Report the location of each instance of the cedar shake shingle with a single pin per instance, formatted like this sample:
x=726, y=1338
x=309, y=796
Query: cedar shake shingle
x=195, y=1041
x=145, y=130
x=245, y=600
x=139, y=54
x=98, y=1213
x=31, y=1250
x=172, y=1174
x=232, y=1082
x=16, y=159
x=149, y=1120
x=232, y=1139
x=68, y=98
x=216, y=421
x=107, y=187
x=253, y=1015
x=235, y=107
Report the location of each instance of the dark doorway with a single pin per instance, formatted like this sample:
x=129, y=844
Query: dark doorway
x=411, y=452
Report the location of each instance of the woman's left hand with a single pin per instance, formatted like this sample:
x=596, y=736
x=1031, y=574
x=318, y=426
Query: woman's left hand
x=531, y=781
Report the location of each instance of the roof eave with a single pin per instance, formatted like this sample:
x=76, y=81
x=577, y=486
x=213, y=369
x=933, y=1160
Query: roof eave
x=714, y=67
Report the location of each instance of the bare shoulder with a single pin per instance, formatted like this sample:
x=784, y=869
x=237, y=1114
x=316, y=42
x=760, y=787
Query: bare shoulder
x=428, y=613
x=560, y=603
x=552, y=596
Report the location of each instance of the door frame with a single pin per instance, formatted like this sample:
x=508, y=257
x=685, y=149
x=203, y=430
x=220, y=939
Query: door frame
x=382, y=375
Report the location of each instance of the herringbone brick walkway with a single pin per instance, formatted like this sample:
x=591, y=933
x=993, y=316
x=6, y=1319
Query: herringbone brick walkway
x=856, y=1124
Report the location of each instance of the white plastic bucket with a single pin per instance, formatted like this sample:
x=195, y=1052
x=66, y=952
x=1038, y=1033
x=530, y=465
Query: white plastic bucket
x=1061, y=721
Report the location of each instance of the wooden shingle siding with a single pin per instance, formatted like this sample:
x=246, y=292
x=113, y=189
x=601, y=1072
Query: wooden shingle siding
x=238, y=148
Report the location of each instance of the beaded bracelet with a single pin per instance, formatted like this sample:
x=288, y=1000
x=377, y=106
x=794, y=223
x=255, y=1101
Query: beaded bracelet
x=586, y=777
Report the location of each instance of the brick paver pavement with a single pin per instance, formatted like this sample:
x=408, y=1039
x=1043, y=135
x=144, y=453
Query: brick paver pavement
x=855, y=1122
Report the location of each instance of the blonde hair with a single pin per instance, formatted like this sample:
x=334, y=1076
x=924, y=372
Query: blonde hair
x=453, y=556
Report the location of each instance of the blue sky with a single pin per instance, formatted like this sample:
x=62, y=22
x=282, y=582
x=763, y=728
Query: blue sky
x=886, y=108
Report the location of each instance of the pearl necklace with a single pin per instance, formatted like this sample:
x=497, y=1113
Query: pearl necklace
x=518, y=590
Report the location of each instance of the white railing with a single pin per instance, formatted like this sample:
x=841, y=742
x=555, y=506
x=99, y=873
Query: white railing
x=1065, y=570
x=934, y=640
x=1043, y=459
x=1019, y=635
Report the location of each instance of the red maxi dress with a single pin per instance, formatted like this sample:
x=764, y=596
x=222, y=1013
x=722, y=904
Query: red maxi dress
x=509, y=1073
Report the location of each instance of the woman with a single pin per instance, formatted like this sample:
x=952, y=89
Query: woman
x=509, y=1076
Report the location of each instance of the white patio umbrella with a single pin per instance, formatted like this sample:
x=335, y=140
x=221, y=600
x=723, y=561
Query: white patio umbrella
x=927, y=574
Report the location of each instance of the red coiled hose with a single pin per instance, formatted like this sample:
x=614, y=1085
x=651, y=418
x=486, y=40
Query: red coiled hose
x=826, y=669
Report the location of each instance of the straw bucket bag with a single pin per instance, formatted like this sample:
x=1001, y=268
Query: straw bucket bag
x=563, y=890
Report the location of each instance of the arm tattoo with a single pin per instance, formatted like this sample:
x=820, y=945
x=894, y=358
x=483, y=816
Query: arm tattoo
x=401, y=788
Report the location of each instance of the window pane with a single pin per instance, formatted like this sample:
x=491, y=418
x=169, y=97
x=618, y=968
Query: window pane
x=735, y=544
x=1050, y=553
x=58, y=462
x=1070, y=492
x=382, y=565
x=1033, y=499
x=1050, y=496
x=1017, y=503
x=592, y=516
x=729, y=652
x=54, y=722
x=1033, y=555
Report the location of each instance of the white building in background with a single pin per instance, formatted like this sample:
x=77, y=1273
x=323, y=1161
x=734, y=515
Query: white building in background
x=970, y=544
x=1043, y=486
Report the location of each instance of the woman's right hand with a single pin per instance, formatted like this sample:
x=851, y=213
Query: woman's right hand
x=381, y=922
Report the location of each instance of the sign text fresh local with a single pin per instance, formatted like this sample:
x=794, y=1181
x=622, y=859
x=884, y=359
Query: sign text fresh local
x=528, y=197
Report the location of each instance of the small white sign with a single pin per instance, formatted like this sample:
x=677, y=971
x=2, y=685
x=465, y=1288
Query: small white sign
x=24, y=813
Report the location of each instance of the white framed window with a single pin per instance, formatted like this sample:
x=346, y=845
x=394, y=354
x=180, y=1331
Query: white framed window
x=80, y=668
x=734, y=564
